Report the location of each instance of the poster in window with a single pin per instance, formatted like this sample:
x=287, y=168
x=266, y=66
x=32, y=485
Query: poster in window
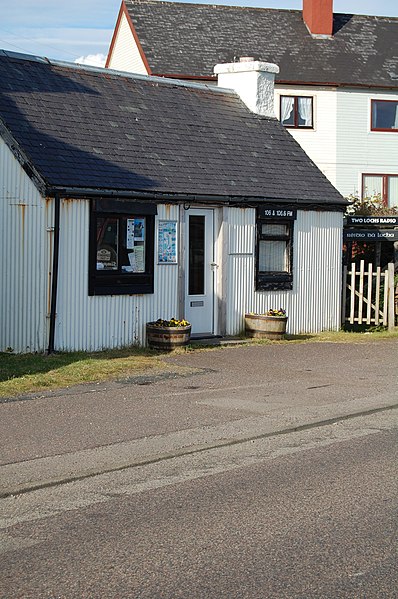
x=135, y=232
x=139, y=229
x=167, y=242
x=139, y=261
x=135, y=241
x=130, y=234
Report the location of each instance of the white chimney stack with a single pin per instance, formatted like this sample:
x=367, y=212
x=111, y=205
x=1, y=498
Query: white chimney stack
x=253, y=81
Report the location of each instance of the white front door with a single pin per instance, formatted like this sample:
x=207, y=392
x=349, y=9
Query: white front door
x=200, y=271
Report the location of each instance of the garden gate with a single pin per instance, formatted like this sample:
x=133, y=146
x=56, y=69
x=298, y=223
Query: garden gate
x=369, y=295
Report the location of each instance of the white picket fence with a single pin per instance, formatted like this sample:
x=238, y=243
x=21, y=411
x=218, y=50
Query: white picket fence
x=368, y=295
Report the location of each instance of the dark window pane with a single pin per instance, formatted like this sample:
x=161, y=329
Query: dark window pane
x=287, y=110
x=196, y=269
x=107, y=244
x=384, y=115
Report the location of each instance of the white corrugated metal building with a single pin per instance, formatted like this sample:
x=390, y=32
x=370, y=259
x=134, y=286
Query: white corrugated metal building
x=127, y=198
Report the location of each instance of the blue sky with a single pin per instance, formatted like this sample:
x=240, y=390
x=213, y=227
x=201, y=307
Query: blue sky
x=75, y=29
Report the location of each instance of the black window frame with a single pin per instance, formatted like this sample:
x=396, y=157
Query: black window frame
x=296, y=124
x=274, y=280
x=117, y=282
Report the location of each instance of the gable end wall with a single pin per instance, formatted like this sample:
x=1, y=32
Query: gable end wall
x=125, y=55
x=24, y=217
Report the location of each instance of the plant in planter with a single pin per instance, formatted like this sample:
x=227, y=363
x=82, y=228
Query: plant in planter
x=270, y=325
x=168, y=334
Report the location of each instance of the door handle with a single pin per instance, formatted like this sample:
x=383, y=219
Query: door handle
x=213, y=265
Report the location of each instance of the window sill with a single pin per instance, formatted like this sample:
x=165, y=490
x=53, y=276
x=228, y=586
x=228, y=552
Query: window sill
x=274, y=283
x=101, y=288
x=298, y=128
x=384, y=131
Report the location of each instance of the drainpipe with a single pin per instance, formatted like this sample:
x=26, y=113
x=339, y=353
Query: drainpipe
x=54, y=282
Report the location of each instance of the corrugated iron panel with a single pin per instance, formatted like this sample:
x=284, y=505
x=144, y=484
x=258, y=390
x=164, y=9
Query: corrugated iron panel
x=242, y=229
x=95, y=323
x=23, y=266
x=314, y=303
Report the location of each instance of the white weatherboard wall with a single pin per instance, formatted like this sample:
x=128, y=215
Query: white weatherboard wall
x=314, y=303
x=341, y=143
x=24, y=217
x=360, y=150
x=106, y=321
x=125, y=54
x=320, y=143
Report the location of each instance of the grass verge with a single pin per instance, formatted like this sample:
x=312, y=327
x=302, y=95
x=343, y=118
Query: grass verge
x=30, y=373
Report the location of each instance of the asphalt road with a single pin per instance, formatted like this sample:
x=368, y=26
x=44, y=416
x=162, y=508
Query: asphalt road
x=307, y=514
x=202, y=400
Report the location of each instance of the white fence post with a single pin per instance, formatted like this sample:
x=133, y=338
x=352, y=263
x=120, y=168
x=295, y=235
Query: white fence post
x=391, y=298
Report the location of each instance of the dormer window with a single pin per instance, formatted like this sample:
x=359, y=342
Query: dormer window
x=384, y=115
x=297, y=112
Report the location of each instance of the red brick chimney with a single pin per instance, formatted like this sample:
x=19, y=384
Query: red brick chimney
x=318, y=16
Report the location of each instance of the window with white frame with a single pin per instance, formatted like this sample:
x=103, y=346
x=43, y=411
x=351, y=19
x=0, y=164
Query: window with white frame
x=384, y=115
x=297, y=112
x=384, y=186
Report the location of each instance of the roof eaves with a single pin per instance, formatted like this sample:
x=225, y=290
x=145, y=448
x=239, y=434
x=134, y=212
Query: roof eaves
x=113, y=72
x=161, y=196
x=22, y=56
x=23, y=159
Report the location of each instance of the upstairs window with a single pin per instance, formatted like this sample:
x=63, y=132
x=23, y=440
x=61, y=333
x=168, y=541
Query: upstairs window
x=383, y=186
x=297, y=112
x=384, y=115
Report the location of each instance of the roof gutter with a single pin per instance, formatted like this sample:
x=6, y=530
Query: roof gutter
x=159, y=197
x=280, y=81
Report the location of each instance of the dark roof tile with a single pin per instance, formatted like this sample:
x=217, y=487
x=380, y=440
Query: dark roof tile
x=362, y=51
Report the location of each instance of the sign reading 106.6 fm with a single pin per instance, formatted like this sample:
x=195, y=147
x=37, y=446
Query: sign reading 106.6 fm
x=277, y=212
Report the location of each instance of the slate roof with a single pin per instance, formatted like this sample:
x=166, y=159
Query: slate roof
x=190, y=39
x=94, y=128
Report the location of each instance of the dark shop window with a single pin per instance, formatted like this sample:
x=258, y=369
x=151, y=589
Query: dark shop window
x=121, y=248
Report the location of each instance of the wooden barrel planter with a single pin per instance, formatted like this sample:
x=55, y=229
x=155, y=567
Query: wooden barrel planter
x=260, y=326
x=167, y=338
